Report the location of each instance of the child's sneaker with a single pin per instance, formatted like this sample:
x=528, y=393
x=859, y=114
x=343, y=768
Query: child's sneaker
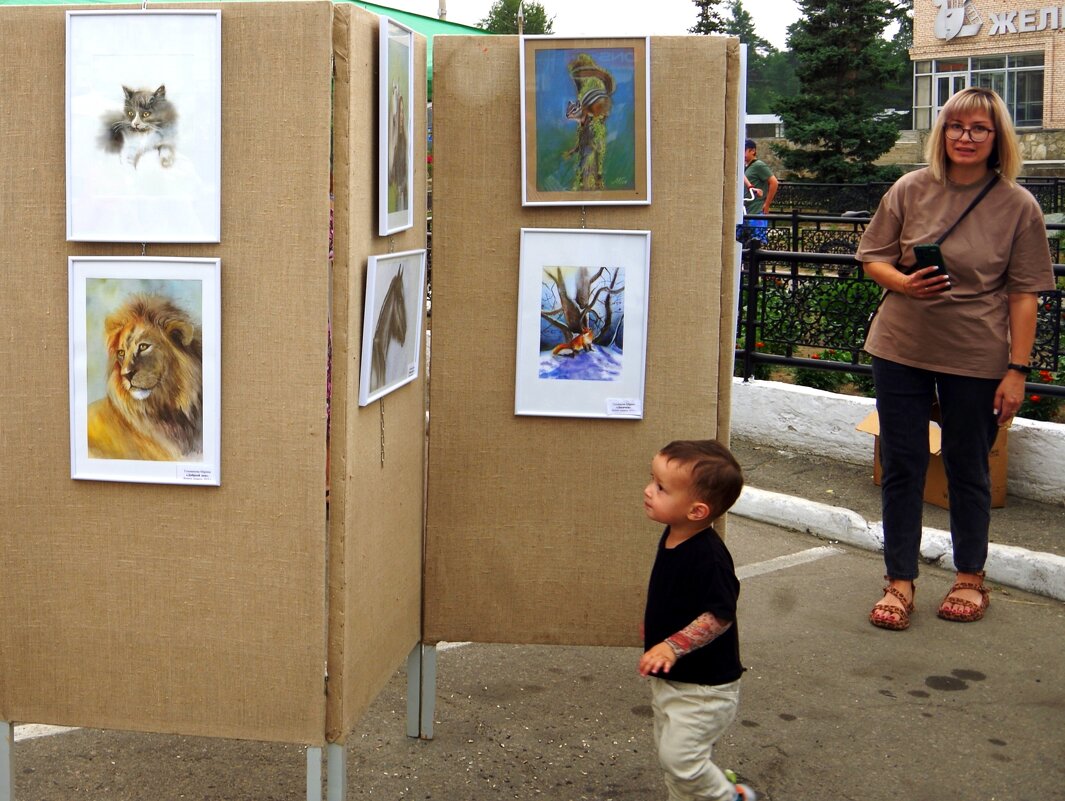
x=745, y=793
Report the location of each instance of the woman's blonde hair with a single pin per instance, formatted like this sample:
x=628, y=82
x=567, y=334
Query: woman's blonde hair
x=1005, y=156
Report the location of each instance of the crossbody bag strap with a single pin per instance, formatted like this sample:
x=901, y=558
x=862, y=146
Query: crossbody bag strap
x=983, y=192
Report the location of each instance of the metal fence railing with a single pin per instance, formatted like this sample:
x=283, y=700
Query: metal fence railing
x=793, y=301
x=821, y=198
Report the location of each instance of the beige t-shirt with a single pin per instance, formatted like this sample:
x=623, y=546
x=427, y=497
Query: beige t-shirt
x=999, y=248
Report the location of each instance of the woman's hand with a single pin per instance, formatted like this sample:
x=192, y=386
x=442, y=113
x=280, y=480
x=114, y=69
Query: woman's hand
x=1009, y=396
x=920, y=284
x=924, y=283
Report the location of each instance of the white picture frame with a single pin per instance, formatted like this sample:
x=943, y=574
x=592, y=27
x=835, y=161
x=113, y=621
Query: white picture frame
x=145, y=369
x=395, y=113
x=392, y=323
x=154, y=176
x=582, y=323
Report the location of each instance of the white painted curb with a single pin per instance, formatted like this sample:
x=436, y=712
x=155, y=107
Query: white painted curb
x=1032, y=571
x=822, y=423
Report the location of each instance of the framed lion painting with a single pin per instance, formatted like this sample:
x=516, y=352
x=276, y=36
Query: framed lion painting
x=145, y=369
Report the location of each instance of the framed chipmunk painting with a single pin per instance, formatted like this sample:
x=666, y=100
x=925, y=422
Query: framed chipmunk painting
x=145, y=369
x=582, y=323
x=144, y=139
x=395, y=183
x=586, y=121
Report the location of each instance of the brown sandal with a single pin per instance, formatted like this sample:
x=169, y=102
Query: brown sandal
x=973, y=611
x=903, y=612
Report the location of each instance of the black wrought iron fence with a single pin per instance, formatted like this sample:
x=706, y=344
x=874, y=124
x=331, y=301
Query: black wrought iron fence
x=821, y=198
x=793, y=303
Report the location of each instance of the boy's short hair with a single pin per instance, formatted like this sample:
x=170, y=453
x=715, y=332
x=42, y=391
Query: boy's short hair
x=717, y=478
x=749, y=144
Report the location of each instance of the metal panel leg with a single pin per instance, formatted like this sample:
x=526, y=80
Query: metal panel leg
x=314, y=774
x=337, y=772
x=7, y=761
x=414, y=691
x=428, y=691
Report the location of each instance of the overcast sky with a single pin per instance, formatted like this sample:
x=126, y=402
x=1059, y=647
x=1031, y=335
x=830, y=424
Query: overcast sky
x=618, y=17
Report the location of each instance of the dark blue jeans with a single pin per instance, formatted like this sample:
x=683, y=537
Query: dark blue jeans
x=904, y=398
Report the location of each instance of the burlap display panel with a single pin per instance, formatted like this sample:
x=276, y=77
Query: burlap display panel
x=376, y=508
x=168, y=608
x=535, y=526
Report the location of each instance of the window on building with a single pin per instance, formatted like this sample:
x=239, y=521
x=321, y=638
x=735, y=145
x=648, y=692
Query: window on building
x=1018, y=79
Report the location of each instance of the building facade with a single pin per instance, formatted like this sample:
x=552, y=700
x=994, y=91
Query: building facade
x=999, y=44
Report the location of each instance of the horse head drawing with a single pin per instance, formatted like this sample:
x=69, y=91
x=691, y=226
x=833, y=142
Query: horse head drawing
x=391, y=327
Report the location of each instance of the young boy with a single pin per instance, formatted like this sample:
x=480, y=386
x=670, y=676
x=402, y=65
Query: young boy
x=690, y=640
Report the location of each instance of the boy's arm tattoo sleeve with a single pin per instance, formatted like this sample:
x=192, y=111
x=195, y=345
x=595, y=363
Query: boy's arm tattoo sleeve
x=702, y=631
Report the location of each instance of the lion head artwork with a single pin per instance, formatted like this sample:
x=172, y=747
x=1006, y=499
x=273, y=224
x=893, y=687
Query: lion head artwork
x=154, y=404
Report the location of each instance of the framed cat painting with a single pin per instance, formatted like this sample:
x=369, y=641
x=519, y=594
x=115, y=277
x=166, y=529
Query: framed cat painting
x=144, y=112
x=395, y=113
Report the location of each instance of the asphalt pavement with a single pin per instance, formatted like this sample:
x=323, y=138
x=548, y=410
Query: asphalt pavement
x=831, y=708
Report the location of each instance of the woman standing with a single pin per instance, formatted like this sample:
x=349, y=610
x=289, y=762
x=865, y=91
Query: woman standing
x=963, y=338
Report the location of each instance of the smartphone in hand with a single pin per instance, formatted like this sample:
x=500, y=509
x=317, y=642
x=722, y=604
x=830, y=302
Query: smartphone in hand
x=930, y=256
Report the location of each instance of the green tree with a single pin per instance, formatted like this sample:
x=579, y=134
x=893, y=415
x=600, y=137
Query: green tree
x=770, y=73
x=503, y=18
x=710, y=20
x=741, y=25
x=836, y=119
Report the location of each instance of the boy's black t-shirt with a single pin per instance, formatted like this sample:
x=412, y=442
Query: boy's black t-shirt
x=697, y=576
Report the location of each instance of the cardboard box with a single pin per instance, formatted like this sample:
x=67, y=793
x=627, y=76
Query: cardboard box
x=935, y=487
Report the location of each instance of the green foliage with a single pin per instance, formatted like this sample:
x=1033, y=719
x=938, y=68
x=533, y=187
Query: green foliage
x=842, y=66
x=1042, y=407
x=710, y=19
x=834, y=380
x=770, y=73
x=503, y=18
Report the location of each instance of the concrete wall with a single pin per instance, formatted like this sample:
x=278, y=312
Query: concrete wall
x=822, y=423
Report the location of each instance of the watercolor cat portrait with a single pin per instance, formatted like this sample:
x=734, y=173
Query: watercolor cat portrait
x=143, y=120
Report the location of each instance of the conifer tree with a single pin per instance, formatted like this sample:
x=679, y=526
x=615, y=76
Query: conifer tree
x=836, y=118
x=710, y=19
x=770, y=74
x=503, y=18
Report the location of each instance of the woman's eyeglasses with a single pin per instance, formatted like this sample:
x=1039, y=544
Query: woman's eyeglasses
x=978, y=133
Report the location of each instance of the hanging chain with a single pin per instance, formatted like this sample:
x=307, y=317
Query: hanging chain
x=381, y=405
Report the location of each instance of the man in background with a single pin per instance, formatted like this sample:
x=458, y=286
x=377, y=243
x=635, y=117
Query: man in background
x=757, y=177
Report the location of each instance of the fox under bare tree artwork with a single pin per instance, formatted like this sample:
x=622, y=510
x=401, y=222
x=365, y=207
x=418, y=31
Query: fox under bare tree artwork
x=582, y=323
x=147, y=122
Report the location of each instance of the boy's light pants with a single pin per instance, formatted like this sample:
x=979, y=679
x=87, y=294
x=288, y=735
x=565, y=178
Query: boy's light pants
x=688, y=720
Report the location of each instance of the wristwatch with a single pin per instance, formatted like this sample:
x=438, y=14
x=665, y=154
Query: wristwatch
x=1020, y=368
